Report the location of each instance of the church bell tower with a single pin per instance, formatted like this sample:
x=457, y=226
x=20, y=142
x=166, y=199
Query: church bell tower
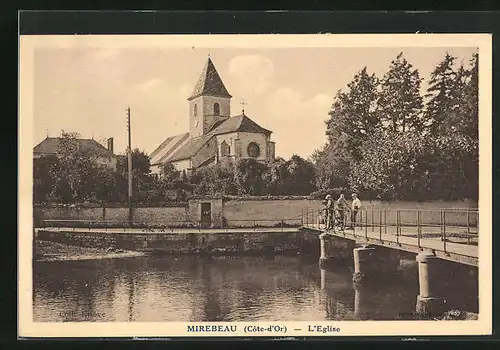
x=209, y=103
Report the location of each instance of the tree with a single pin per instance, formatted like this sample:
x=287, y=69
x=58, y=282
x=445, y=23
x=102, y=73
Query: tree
x=248, y=177
x=400, y=103
x=467, y=110
x=216, y=179
x=300, y=176
x=140, y=163
x=441, y=96
x=333, y=164
x=74, y=178
x=274, y=176
x=43, y=180
x=354, y=113
x=417, y=166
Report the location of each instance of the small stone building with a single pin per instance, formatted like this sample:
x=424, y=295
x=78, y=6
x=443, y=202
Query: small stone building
x=207, y=212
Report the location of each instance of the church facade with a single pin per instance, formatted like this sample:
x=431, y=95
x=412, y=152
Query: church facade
x=214, y=135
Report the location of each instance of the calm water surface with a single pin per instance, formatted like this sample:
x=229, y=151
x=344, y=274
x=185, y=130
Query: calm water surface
x=213, y=289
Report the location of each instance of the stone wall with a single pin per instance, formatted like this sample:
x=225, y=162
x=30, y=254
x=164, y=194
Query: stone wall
x=191, y=243
x=262, y=212
x=155, y=215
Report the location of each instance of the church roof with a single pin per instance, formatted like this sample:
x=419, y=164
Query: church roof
x=190, y=148
x=240, y=123
x=209, y=83
x=51, y=144
x=168, y=147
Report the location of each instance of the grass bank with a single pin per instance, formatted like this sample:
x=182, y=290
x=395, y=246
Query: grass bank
x=53, y=251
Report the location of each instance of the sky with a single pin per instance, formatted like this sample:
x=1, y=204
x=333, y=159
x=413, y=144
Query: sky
x=287, y=90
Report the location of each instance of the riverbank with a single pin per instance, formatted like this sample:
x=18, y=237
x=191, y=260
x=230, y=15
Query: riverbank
x=54, y=251
x=459, y=315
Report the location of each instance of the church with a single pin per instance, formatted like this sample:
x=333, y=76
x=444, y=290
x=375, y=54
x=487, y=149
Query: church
x=214, y=135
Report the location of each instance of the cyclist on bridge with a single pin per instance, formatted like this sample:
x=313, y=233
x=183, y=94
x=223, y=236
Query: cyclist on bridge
x=342, y=208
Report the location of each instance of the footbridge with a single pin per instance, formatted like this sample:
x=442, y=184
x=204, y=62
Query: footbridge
x=442, y=240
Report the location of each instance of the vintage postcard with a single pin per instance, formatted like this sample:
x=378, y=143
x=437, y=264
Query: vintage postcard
x=255, y=185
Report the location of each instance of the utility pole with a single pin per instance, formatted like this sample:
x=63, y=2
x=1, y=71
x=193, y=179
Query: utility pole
x=129, y=155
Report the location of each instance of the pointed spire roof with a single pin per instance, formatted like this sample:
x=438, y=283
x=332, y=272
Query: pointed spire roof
x=209, y=83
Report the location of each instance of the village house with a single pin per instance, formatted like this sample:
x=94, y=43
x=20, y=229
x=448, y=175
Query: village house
x=104, y=156
x=214, y=135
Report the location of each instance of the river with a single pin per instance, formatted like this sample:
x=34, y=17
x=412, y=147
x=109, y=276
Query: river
x=196, y=289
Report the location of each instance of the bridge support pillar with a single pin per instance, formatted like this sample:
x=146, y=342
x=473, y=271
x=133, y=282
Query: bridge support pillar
x=334, y=250
x=430, y=276
x=372, y=263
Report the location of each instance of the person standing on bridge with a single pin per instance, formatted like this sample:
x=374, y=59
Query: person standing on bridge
x=342, y=207
x=328, y=212
x=355, y=207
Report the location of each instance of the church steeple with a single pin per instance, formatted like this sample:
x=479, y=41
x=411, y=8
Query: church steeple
x=209, y=83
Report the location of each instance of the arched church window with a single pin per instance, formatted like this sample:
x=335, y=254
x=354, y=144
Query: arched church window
x=225, y=149
x=253, y=150
x=216, y=109
x=195, y=110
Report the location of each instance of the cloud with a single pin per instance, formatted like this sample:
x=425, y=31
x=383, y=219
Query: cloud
x=252, y=71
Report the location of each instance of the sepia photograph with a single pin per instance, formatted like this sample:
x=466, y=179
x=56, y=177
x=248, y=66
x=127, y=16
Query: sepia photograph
x=255, y=184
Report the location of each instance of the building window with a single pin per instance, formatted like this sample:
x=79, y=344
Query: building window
x=195, y=110
x=216, y=109
x=253, y=150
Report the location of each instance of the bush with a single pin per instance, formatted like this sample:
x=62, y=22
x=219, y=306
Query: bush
x=334, y=192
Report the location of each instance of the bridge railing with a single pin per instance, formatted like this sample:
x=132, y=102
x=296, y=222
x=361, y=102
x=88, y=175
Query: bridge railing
x=447, y=225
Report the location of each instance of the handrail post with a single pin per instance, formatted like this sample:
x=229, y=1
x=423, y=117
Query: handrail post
x=441, y=223
x=302, y=218
x=397, y=226
x=282, y=225
x=385, y=221
x=307, y=217
x=418, y=228
x=380, y=224
x=366, y=225
x=373, y=226
x=444, y=231
x=468, y=227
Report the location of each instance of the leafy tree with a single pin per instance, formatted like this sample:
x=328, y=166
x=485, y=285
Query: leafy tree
x=417, y=166
x=248, y=177
x=400, y=103
x=44, y=181
x=76, y=171
x=274, y=176
x=333, y=164
x=353, y=115
x=216, y=179
x=300, y=176
x=140, y=163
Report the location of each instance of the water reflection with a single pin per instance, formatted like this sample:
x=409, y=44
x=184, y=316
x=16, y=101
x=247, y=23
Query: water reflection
x=211, y=289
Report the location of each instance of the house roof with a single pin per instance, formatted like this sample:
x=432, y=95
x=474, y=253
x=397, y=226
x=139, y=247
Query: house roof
x=51, y=144
x=209, y=83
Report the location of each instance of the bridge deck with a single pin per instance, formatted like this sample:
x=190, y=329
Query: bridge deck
x=454, y=248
